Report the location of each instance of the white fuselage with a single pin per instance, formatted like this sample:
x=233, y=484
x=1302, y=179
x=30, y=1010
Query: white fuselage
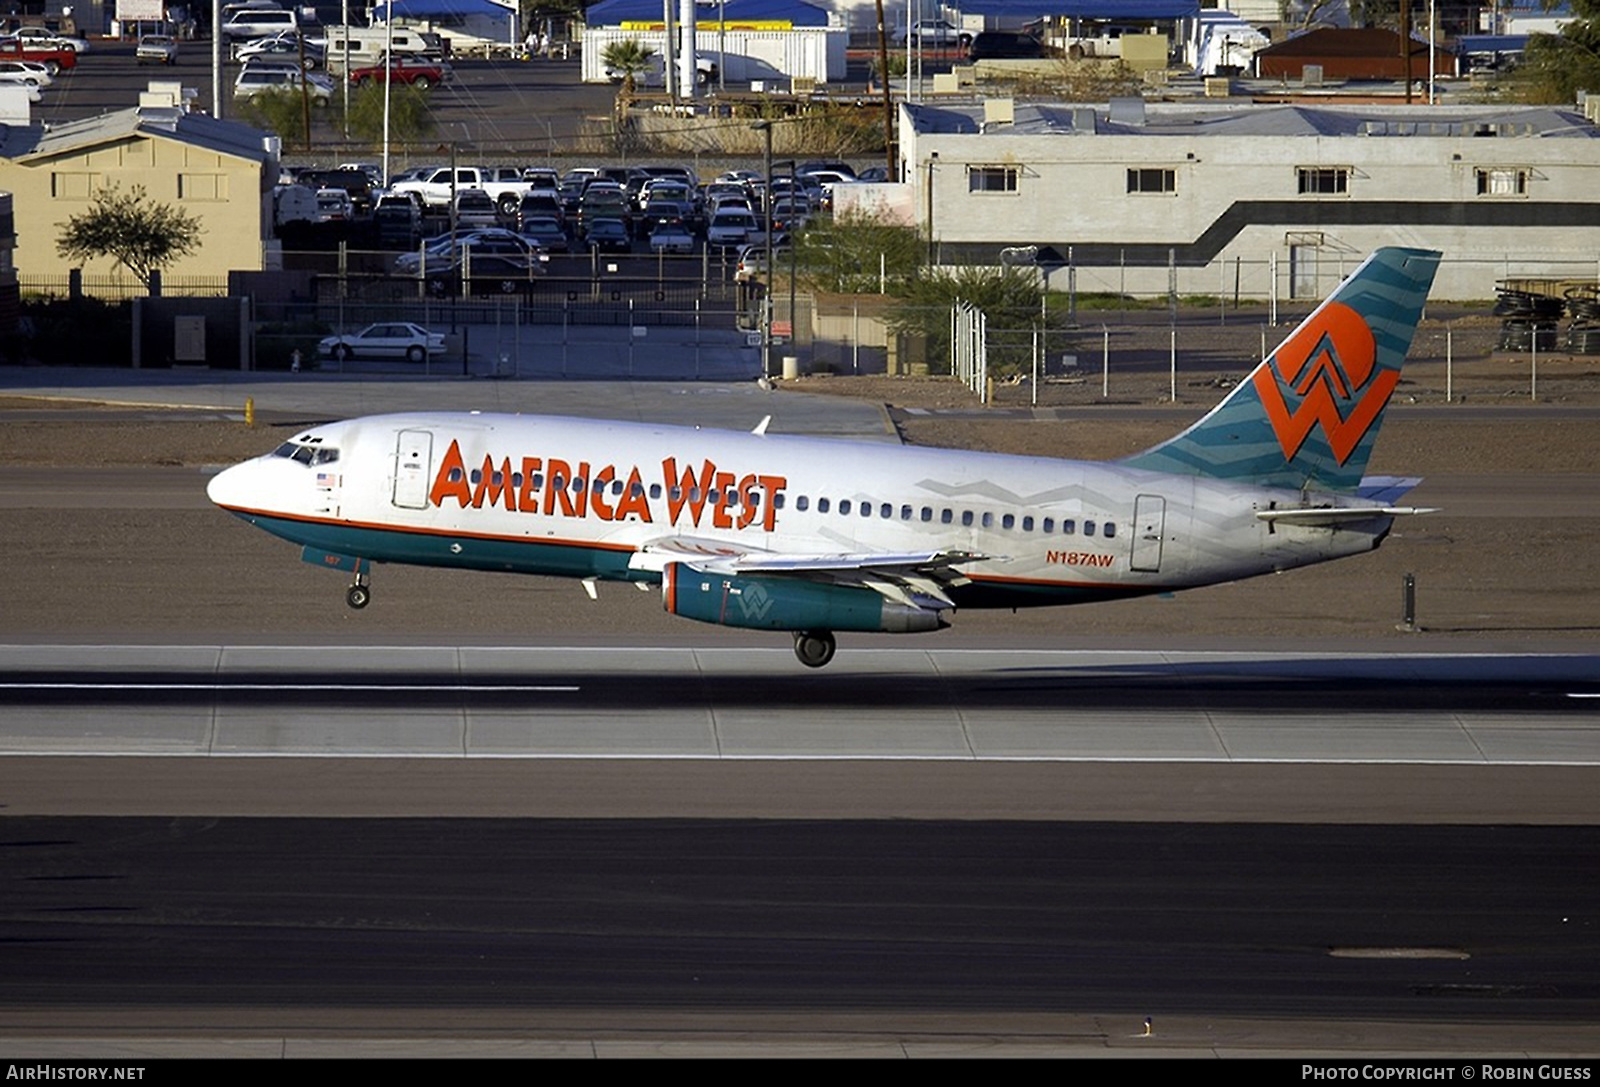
x=584, y=498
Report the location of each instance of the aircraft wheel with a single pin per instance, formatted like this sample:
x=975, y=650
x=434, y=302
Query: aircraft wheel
x=814, y=648
x=358, y=596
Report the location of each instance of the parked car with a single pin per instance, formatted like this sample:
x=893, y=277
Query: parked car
x=755, y=261
x=334, y=206
x=279, y=47
x=547, y=232
x=730, y=228
x=392, y=340
x=41, y=75
x=254, y=80
x=497, y=264
x=934, y=32
x=259, y=23
x=402, y=69
x=1006, y=45
x=156, y=49
x=398, y=221
x=473, y=207
x=607, y=236
x=44, y=38
x=671, y=238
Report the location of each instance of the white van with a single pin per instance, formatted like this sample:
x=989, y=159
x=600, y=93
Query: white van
x=259, y=23
x=367, y=45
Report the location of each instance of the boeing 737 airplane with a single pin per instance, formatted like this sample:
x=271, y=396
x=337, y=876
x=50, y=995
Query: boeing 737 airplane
x=814, y=536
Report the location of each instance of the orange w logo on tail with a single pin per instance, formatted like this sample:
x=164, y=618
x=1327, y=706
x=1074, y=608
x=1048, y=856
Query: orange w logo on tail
x=1330, y=364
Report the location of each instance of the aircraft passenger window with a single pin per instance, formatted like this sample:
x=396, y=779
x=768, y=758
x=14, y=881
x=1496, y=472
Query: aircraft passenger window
x=1027, y=524
x=495, y=479
x=557, y=483
x=945, y=517
x=1088, y=528
x=822, y=505
x=516, y=480
x=538, y=480
x=1049, y=524
x=988, y=519
x=905, y=513
x=866, y=509
x=637, y=490
x=732, y=498
x=801, y=503
x=753, y=500
x=476, y=477
x=578, y=485
x=455, y=475
x=844, y=505
x=966, y=518
x=694, y=494
x=1109, y=530
x=778, y=500
x=1068, y=527
x=676, y=493
x=886, y=511
x=1008, y=521
x=927, y=514
x=616, y=487
x=655, y=490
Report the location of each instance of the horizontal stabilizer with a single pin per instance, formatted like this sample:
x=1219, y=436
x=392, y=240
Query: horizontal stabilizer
x=1386, y=489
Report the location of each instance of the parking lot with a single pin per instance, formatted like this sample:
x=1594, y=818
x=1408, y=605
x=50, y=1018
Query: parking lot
x=527, y=110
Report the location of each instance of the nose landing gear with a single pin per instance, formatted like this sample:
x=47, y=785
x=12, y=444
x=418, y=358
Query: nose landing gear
x=359, y=595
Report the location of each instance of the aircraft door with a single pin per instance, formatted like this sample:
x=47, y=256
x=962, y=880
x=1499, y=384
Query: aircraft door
x=1149, y=529
x=413, y=464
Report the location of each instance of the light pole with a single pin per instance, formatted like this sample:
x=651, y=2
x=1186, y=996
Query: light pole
x=765, y=128
x=933, y=160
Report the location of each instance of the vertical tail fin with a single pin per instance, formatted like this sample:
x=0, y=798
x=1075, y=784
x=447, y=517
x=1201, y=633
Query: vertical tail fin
x=1308, y=415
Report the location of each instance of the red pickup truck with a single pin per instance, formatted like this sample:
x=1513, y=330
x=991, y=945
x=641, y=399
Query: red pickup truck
x=418, y=74
x=53, y=58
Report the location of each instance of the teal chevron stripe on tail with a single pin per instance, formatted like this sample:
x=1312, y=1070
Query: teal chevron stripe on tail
x=1308, y=415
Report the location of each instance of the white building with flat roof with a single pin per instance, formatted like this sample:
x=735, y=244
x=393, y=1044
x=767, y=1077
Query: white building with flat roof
x=1132, y=190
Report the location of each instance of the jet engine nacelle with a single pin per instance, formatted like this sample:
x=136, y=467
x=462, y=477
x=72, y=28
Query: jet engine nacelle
x=774, y=602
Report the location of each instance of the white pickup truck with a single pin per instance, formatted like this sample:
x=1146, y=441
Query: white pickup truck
x=504, y=184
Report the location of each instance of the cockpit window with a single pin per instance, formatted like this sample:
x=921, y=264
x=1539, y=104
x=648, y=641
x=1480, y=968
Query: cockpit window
x=307, y=454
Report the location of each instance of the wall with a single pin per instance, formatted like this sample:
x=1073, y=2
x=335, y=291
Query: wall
x=1238, y=196
x=222, y=191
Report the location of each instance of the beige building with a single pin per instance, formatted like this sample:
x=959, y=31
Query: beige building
x=220, y=172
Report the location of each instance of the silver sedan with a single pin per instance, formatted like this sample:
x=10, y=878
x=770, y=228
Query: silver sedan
x=393, y=340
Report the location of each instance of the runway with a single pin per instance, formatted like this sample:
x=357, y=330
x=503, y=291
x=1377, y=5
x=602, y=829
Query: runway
x=489, y=813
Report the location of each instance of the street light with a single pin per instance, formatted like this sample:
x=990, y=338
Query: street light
x=765, y=128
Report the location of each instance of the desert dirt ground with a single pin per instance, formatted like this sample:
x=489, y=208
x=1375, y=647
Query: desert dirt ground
x=1525, y=576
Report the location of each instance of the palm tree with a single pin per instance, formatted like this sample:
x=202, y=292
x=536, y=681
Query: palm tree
x=626, y=60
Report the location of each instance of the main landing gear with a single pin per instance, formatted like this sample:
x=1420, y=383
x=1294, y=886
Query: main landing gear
x=359, y=595
x=814, y=647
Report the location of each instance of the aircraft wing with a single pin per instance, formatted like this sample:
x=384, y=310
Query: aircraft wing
x=890, y=573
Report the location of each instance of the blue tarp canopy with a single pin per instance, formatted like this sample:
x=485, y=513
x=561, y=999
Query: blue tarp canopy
x=1110, y=10
x=1491, y=43
x=432, y=9
x=616, y=12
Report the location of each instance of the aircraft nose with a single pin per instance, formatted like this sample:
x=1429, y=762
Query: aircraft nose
x=229, y=487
